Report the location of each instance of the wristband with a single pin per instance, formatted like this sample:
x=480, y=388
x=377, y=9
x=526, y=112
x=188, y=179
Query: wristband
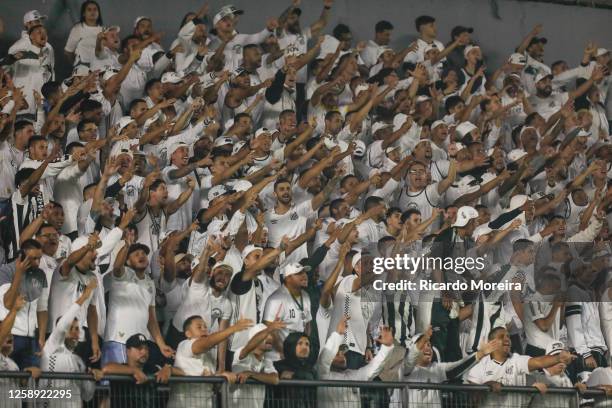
x=169, y=55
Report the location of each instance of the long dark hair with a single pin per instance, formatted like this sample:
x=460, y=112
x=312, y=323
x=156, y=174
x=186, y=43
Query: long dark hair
x=84, y=6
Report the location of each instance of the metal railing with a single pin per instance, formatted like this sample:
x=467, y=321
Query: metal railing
x=121, y=391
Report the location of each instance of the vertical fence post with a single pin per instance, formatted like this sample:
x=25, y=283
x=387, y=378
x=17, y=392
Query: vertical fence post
x=224, y=395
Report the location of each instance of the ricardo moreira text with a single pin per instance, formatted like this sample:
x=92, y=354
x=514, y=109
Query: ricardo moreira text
x=405, y=263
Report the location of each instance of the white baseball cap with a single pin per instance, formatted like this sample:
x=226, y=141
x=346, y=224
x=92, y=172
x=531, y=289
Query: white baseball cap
x=464, y=215
x=217, y=191
x=470, y=48
x=123, y=122
x=223, y=265
x=543, y=75
x=481, y=230
x=222, y=141
x=175, y=146
x=248, y=249
x=554, y=347
x=518, y=201
x=379, y=125
x=241, y=185
x=516, y=154
x=601, y=51
x=467, y=185
x=33, y=15
x=360, y=88
x=356, y=259
x=294, y=268
x=437, y=123
x=119, y=149
x=263, y=131
x=422, y=98
x=139, y=19
x=171, y=78
x=517, y=59
x=238, y=146
x=464, y=128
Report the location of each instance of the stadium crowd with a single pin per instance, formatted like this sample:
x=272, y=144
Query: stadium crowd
x=212, y=208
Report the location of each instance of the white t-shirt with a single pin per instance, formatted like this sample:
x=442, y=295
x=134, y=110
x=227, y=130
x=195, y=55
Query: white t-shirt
x=129, y=296
x=250, y=396
x=182, y=218
x=82, y=42
x=513, y=371
x=296, y=44
x=546, y=107
x=292, y=224
x=285, y=307
x=202, y=364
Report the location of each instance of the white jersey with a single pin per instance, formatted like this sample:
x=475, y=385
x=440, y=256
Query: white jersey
x=250, y=396
x=56, y=357
x=513, y=371
x=151, y=228
x=535, y=310
x=424, y=200
x=202, y=364
x=282, y=305
x=181, y=219
x=246, y=298
x=546, y=107
x=66, y=290
x=292, y=224
x=197, y=302
x=130, y=296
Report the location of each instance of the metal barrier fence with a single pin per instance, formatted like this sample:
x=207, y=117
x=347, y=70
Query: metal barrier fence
x=120, y=391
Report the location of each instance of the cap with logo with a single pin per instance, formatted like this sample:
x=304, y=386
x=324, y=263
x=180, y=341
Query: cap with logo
x=293, y=269
x=135, y=341
x=123, y=122
x=222, y=141
x=225, y=11
x=171, y=78
x=217, y=191
x=33, y=15
x=517, y=59
x=543, y=75
x=464, y=215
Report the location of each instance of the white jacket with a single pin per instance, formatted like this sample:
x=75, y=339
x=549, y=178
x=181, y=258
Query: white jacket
x=331, y=397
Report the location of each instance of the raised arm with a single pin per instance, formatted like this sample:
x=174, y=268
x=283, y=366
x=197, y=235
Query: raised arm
x=450, y=178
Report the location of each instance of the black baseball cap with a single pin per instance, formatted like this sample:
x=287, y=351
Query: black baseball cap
x=297, y=11
x=135, y=247
x=537, y=40
x=460, y=30
x=136, y=341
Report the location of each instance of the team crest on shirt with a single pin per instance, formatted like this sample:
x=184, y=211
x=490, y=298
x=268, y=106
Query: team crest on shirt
x=130, y=191
x=509, y=370
x=215, y=313
x=237, y=49
x=294, y=216
x=411, y=206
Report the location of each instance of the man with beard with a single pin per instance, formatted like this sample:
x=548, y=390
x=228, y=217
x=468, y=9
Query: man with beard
x=139, y=364
x=132, y=292
x=502, y=368
x=25, y=276
x=289, y=219
x=153, y=208
x=546, y=102
x=419, y=193
x=59, y=354
x=290, y=303
x=205, y=297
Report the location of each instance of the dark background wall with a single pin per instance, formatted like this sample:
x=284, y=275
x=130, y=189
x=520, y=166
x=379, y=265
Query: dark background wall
x=568, y=28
